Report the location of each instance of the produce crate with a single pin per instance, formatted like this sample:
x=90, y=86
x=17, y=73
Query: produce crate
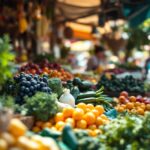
x=27, y=120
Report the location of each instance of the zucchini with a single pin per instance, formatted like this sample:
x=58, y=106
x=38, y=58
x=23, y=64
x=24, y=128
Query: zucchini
x=86, y=95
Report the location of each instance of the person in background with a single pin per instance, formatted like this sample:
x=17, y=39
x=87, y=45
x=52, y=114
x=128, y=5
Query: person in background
x=97, y=59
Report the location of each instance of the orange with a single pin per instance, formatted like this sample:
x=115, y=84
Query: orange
x=99, y=121
x=100, y=109
x=140, y=111
x=104, y=117
x=90, y=118
x=78, y=113
x=88, y=110
x=70, y=121
x=92, y=132
x=46, y=125
x=60, y=125
x=36, y=129
x=39, y=123
x=90, y=106
x=95, y=112
x=143, y=106
x=129, y=105
x=59, y=117
x=120, y=109
x=82, y=106
x=124, y=106
x=148, y=107
x=132, y=99
x=92, y=127
x=82, y=124
x=68, y=112
x=137, y=104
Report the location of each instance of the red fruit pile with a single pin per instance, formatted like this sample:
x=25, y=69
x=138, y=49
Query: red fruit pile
x=138, y=105
x=54, y=70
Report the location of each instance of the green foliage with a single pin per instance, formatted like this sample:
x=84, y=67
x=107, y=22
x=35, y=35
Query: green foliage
x=127, y=133
x=7, y=101
x=56, y=86
x=6, y=59
x=42, y=106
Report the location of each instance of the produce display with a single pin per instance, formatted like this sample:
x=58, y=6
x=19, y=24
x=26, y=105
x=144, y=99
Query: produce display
x=44, y=107
x=84, y=116
x=28, y=85
x=138, y=105
x=116, y=85
x=53, y=70
x=15, y=138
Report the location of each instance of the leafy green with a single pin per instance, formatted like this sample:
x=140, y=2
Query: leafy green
x=6, y=59
x=7, y=101
x=127, y=133
x=56, y=85
x=42, y=106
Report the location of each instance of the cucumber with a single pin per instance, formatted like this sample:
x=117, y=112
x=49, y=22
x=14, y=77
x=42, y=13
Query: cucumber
x=88, y=100
x=69, y=138
x=50, y=133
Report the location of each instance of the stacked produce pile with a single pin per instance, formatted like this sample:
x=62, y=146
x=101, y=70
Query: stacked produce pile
x=137, y=105
x=15, y=138
x=114, y=85
x=51, y=69
x=84, y=116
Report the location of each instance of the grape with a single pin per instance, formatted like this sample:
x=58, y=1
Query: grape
x=29, y=84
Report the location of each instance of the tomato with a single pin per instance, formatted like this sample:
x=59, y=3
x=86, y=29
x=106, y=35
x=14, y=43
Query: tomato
x=122, y=99
x=124, y=93
x=59, y=117
x=90, y=118
x=82, y=124
x=132, y=99
x=68, y=112
x=78, y=114
x=70, y=121
x=100, y=109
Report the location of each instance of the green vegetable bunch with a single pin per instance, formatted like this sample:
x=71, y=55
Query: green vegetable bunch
x=6, y=59
x=42, y=106
x=127, y=133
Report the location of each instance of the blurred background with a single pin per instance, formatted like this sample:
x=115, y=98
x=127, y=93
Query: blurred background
x=68, y=30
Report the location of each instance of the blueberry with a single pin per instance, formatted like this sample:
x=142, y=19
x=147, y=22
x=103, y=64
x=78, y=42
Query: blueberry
x=29, y=77
x=49, y=90
x=36, y=77
x=23, y=83
x=44, y=89
x=38, y=86
x=23, y=79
